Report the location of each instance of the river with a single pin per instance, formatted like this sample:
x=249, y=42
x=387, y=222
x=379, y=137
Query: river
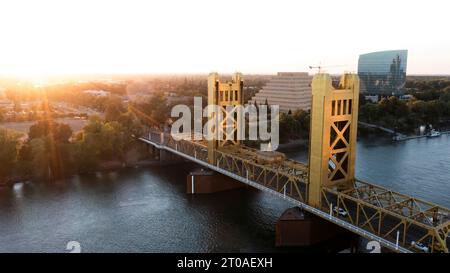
x=147, y=210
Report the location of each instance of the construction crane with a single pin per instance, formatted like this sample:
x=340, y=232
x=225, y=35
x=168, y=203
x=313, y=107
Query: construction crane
x=319, y=67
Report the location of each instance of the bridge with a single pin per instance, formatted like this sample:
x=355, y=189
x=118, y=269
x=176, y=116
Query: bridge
x=326, y=187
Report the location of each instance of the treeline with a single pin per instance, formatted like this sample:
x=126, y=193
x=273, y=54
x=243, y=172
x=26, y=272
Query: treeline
x=23, y=92
x=428, y=90
x=294, y=125
x=52, y=151
x=407, y=116
x=198, y=86
x=45, y=109
x=36, y=111
x=41, y=98
x=154, y=111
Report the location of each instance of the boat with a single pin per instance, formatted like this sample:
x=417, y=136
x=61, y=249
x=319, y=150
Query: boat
x=399, y=137
x=434, y=133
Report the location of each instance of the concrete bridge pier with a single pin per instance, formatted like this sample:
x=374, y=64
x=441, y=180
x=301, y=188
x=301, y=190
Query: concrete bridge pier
x=208, y=181
x=298, y=228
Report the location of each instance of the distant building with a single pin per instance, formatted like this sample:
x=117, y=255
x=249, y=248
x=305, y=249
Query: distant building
x=140, y=97
x=97, y=93
x=174, y=98
x=372, y=98
x=383, y=72
x=170, y=94
x=406, y=97
x=289, y=90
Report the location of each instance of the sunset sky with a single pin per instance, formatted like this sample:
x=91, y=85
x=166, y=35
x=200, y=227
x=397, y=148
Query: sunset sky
x=168, y=36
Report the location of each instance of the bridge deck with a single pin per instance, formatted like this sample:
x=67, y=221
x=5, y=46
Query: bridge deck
x=368, y=210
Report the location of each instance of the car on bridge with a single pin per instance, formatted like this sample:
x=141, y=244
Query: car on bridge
x=420, y=246
x=340, y=211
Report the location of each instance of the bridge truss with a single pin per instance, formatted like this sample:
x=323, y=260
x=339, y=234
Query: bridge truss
x=366, y=209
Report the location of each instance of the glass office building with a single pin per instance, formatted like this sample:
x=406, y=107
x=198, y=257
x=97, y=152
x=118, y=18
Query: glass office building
x=383, y=72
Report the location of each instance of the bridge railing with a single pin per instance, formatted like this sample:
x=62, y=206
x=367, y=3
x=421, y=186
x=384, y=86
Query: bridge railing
x=377, y=210
x=272, y=176
x=194, y=149
x=390, y=215
x=155, y=136
x=289, y=179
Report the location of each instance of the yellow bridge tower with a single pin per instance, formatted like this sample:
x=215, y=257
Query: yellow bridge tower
x=334, y=123
x=227, y=95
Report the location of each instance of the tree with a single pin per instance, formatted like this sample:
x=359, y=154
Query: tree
x=303, y=120
x=114, y=140
x=434, y=111
x=94, y=125
x=59, y=132
x=50, y=149
x=40, y=148
x=159, y=110
x=85, y=158
x=2, y=115
x=17, y=106
x=63, y=133
x=394, y=107
x=445, y=97
x=113, y=109
x=24, y=160
x=92, y=136
x=8, y=152
x=39, y=129
x=369, y=112
x=106, y=139
x=131, y=124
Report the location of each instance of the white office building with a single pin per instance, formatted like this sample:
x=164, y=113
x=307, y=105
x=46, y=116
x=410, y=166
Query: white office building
x=289, y=90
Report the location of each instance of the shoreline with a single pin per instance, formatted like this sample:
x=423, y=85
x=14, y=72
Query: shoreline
x=103, y=167
x=293, y=144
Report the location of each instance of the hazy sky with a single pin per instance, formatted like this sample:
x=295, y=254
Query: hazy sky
x=165, y=36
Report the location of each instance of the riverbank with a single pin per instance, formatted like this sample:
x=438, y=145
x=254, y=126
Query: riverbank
x=111, y=165
x=294, y=144
x=24, y=126
x=403, y=138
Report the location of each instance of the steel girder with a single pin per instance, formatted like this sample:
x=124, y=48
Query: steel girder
x=386, y=213
x=376, y=209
